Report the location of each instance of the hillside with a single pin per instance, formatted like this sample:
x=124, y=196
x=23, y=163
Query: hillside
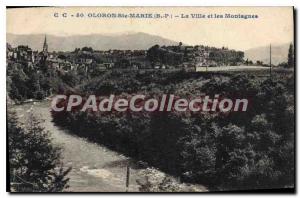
x=279, y=53
x=124, y=41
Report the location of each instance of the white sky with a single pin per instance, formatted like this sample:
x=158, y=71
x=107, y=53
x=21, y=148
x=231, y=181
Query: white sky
x=274, y=25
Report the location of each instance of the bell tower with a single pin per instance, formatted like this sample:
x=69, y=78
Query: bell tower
x=45, y=46
x=44, y=53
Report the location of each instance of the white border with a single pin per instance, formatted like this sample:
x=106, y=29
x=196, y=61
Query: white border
x=5, y=3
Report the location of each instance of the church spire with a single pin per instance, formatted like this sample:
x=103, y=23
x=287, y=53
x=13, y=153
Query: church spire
x=45, y=46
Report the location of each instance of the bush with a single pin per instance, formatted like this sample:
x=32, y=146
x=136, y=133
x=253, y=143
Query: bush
x=34, y=163
x=241, y=150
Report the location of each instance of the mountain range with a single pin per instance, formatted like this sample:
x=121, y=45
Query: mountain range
x=129, y=41
x=279, y=53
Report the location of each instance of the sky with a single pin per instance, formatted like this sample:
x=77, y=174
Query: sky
x=273, y=25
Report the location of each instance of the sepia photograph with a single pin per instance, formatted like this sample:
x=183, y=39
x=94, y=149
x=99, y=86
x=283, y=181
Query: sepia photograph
x=150, y=99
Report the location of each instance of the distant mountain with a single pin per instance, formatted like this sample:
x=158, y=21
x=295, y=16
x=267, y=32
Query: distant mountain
x=279, y=53
x=124, y=41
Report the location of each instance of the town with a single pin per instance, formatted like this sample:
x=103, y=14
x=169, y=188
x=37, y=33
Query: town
x=150, y=99
x=92, y=61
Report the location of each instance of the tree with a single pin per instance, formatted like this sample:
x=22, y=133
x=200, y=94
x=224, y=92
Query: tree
x=240, y=150
x=291, y=56
x=70, y=78
x=35, y=164
x=87, y=49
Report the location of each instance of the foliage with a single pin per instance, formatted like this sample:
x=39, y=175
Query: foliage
x=151, y=180
x=34, y=163
x=239, y=150
x=37, y=83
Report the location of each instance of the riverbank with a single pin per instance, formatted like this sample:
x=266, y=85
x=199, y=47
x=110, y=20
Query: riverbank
x=94, y=167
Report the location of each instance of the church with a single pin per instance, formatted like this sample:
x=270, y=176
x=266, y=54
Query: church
x=44, y=53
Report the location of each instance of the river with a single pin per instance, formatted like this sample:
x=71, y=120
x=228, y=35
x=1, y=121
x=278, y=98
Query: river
x=94, y=167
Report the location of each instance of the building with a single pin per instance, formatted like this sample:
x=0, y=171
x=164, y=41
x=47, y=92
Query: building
x=44, y=54
x=45, y=46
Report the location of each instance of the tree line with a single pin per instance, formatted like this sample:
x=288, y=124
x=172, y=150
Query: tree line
x=239, y=150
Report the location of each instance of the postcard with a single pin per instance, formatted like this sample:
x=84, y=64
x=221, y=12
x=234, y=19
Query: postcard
x=150, y=99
